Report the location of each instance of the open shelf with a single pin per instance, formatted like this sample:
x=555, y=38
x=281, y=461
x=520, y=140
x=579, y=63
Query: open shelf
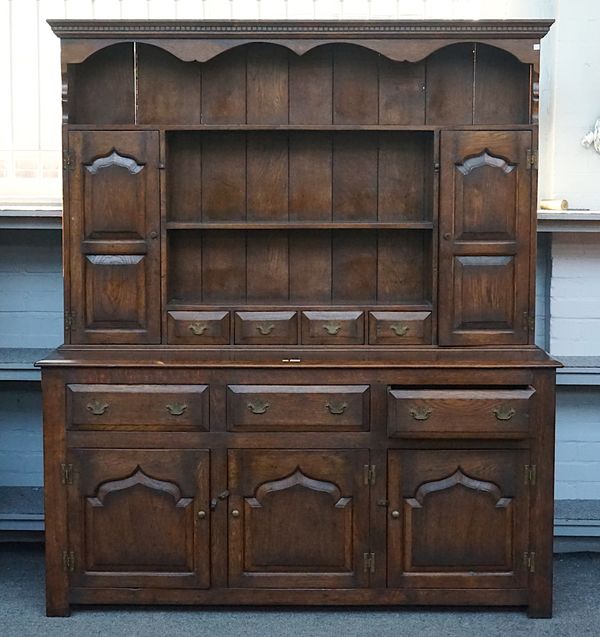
x=323, y=179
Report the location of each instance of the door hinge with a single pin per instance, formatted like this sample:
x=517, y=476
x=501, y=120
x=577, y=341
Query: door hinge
x=369, y=474
x=530, y=474
x=68, y=160
x=532, y=159
x=66, y=473
x=369, y=562
x=68, y=561
x=69, y=319
x=529, y=561
x=528, y=321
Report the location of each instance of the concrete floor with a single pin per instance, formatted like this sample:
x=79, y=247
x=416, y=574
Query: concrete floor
x=577, y=612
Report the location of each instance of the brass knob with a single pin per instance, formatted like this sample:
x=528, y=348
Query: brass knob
x=202, y=514
x=235, y=513
x=395, y=514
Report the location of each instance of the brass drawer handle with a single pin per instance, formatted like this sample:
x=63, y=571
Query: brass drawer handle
x=259, y=406
x=395, y=515
x=265, y=328
x=332, y=328
x=235, y=513
x=420, y=413
x=198, y=328
x=176, y=409
x=97, y=408
x=337, y=408
x=399, y=329
x=503, y=413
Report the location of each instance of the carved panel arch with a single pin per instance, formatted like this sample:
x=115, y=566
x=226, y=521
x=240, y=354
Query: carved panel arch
x=138, y=477
x=297, y=478
x=114, y=159
x=456, y=479
x=485, y=158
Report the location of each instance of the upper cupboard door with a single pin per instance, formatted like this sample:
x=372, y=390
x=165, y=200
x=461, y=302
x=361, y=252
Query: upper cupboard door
x=114, y=227
x=485, y=237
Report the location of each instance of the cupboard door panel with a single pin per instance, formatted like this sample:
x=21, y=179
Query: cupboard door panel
x=485, y=228
x=133, y=518
x=458, y=519
x=114, y=230
x=297, y=518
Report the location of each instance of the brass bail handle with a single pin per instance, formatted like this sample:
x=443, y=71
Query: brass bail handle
x=258, y=406
x=265, y=328
x=96, y=407
x=420, y=413
x=332, y=328
x=198, y=328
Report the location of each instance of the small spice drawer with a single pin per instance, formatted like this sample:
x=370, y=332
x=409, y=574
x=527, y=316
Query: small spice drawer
x=298, y=408
x=266, y=328
x=400, y=328
x=198, y=328
x=333, y=328
x=138, y=407
x=448, y=413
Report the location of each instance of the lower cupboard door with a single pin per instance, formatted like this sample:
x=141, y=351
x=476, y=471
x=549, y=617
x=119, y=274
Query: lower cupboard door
x=457, y=519
x=298, y=518
x=133, y=518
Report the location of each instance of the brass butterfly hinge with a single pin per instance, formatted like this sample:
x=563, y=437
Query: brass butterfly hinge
x=66, y=473
x=68, y=160
x=68, y=561
x=369, y=474
x=530, y=474
x=69, y=320
x=532, y=159
x=369, y=562
x=529, y=561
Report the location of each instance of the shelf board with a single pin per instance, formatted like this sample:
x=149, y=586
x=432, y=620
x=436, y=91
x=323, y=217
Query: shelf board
x=31, y=217
x=578, y=370
x=568, y=221
x=197, y=305
x=17, y=363
x=291, y=225
x=302, y=127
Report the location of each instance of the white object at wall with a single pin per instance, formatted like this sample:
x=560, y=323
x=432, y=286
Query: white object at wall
x=592, y=139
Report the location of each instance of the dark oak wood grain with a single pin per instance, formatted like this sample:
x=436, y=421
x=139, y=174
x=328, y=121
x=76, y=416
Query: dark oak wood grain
x=299, y=268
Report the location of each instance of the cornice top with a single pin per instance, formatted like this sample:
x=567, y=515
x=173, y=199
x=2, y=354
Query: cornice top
x=323, y=29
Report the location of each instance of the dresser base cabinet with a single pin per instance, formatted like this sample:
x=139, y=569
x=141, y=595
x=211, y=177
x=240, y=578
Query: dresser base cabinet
x=372, y=511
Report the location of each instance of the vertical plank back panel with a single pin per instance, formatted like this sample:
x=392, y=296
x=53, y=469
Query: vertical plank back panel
x=223, y=177
x=268, y=266
x=354, y=177
x=267, y=84
x=354, y=259
x=311, y=87
x=267, y=176
x=355, y=86
x=168, y=89
x=450, y=85
x=310, y=175
x=224, y=88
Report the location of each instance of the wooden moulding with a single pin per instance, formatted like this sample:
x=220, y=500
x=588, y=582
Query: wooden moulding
x=202, y=40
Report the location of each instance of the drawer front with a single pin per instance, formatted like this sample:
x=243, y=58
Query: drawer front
x=198, y=328
x=400, y=328
x=498, y=413
x=298, y=408
x=333, y=328
x=134, y=407
x=266, y=328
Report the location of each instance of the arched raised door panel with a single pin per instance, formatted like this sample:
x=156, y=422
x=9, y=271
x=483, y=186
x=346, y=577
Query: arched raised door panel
x=370, y=82
x=114, y=237
x=457, y=513
x=298, y=519
x=485, y=238
x=135, y=514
